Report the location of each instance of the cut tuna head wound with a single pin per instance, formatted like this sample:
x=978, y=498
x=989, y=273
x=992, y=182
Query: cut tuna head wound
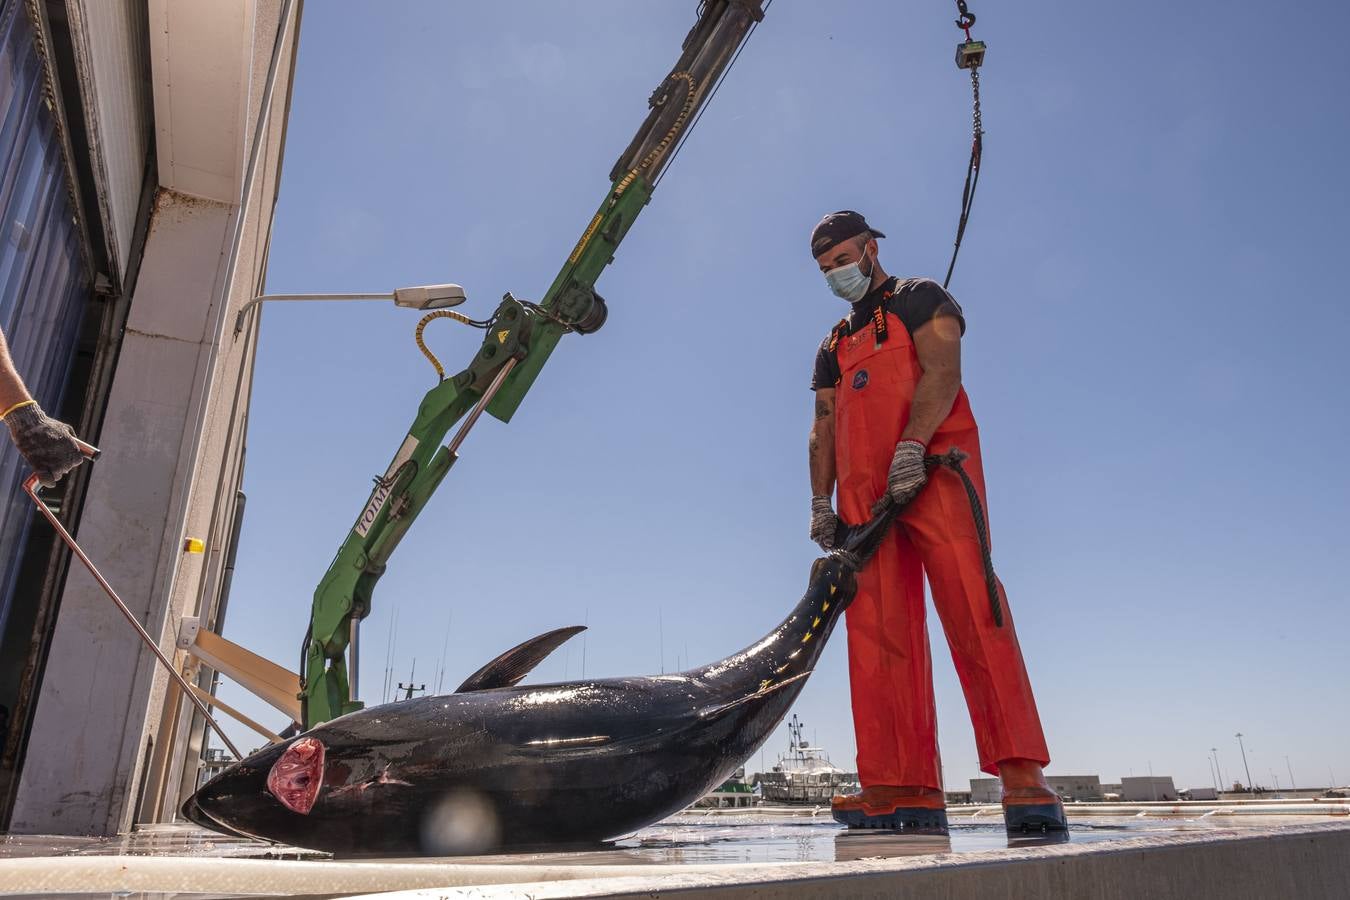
x=296, y=777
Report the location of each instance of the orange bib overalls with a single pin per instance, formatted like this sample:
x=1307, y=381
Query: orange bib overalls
x=890, y=672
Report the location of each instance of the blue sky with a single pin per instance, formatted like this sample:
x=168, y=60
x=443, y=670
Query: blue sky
x=1152, y=280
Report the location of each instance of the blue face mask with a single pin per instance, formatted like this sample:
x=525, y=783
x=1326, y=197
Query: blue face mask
x=848, y=282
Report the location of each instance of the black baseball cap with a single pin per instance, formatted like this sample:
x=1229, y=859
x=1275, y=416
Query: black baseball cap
x=838, y=227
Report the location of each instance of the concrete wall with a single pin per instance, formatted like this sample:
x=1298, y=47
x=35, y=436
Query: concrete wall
x=172, y=440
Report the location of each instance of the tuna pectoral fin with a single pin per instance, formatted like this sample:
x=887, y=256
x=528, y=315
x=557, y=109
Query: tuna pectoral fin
x=710, y=712
x=516, y=663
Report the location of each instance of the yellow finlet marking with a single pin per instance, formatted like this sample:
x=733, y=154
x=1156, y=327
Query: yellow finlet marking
x=806, y=637
x=765, y=683
x=816, y=623
x=501, y=335
x=833, y=589
x=824, y=606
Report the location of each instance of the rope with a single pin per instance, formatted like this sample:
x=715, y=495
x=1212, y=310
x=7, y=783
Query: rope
x=952, y=460
x=440, y=314
x=972, y=173
x=864, y=539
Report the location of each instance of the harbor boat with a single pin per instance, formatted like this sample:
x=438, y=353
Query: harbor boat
x=804, y=774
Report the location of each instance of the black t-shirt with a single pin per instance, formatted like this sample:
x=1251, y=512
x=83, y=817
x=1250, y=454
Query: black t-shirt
x=914, y=301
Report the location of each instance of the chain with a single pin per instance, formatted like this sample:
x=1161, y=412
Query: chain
x=975, y=90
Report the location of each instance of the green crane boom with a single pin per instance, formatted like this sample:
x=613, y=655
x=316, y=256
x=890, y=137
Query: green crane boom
x=520, y=336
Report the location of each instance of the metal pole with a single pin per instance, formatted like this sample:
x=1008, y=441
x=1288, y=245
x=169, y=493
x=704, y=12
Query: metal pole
x=1214, y=776
x=239, y=317
x=1244, y=760
x=1290, y=769
x=478, y=407
x=1215, y=751
x=30, y=488
x=353, y=660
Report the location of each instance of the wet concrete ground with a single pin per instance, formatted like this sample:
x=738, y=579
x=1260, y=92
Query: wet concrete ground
x=686, y=839
x=184, y=862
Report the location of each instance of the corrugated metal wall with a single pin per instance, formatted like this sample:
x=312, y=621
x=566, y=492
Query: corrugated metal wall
x=110, y=44
x=42, y=280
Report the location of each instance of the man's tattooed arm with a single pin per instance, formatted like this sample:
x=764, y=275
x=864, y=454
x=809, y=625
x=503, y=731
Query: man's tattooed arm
x=820, y=446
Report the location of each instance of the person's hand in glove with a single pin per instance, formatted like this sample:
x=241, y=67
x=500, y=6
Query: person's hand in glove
x=49, y=446
x=907, y=474
x=824, y=522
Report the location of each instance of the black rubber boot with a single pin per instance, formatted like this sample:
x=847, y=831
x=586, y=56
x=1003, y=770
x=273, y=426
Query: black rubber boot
x=1035, y=818
x=903, y=819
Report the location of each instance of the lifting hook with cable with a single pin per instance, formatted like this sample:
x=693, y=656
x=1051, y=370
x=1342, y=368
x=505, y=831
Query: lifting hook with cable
x=969, y=55
x=965, y=19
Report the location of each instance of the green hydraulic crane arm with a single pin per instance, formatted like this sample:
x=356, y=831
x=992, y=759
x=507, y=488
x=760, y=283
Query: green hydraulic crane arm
x=520, y=337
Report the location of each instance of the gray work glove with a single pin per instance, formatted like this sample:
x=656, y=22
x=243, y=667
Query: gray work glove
x=907, y=474
x=48, y=445
x=824, y=522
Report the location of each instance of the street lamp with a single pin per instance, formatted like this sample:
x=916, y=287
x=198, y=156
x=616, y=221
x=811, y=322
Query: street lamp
x=1244, y=760
x=426, y=296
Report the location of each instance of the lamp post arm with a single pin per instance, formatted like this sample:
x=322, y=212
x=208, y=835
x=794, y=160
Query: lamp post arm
x=243, y=310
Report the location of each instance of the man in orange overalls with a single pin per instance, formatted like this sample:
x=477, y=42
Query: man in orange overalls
x=888, y=387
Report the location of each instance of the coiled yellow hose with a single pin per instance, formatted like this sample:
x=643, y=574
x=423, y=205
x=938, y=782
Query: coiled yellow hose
x=422, y=344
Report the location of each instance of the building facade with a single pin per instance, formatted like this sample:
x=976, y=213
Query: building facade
x=160, y=131
x=1071, y=788
x=1147, y=788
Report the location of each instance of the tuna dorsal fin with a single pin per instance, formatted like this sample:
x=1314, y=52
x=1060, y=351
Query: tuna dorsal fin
x=516, y=663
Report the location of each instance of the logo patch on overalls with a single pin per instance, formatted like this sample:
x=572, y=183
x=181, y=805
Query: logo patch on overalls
x=860, y=380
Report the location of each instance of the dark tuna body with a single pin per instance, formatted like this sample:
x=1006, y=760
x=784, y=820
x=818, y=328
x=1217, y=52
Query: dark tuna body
x=540, y=764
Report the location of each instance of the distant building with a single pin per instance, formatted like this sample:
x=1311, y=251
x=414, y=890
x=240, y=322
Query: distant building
x=985, y=790
x=1200, y=793
x=1077, y=788
x=1144, y=788
x=1073, y=788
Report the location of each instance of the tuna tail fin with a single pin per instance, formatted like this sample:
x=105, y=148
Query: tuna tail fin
x=711, y=712
x=516, y=663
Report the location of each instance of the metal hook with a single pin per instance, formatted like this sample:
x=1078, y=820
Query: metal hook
x=966, y=17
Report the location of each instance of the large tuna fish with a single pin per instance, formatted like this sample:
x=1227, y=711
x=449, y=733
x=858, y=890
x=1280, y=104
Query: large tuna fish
x=496, y=764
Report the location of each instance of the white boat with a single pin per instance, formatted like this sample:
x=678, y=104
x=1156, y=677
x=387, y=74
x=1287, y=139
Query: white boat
x=804, y=774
